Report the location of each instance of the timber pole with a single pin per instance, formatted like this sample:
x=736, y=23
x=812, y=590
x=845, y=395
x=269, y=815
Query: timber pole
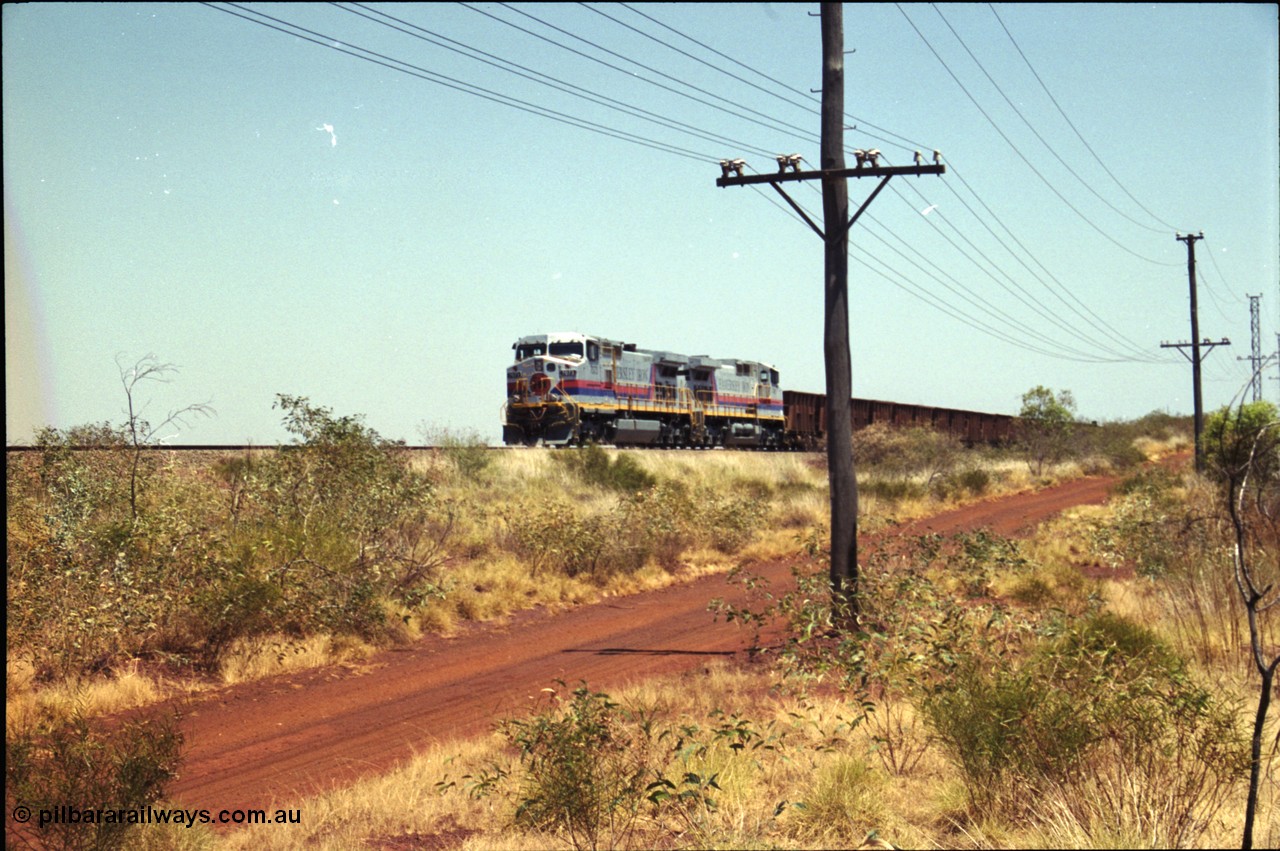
x=835, y=339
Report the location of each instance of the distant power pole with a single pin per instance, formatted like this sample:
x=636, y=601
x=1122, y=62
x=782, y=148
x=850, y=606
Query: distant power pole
x=1195, y=345
x=1255, y=348
x=835, y=237
x=1276, y=377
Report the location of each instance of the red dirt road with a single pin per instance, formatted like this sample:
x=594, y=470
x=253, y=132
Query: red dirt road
x=271, y=742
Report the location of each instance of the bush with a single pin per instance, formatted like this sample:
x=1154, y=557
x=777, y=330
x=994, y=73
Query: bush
x=1147, y=530
x=592, y=465
x=585, y=771
x=898, y=453
x=112, y=555
x=1102, y=708
x=466, y=452
x=335, y=523
x=600, y=772
x=1244, y=439
x=66, y=762
x=553, y=535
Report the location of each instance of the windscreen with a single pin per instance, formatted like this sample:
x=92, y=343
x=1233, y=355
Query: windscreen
x=529, y=350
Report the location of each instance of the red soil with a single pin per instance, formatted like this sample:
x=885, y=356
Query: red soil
x=267, y=743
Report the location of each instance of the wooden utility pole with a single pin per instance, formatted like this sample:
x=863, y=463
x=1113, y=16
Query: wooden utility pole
x=835, y=236
x=1198, y=397
x=835, y=332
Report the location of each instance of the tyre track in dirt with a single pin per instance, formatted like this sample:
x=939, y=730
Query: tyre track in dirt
x=264, y=744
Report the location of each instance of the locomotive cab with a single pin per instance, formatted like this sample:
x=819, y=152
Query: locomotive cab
x=539, y=404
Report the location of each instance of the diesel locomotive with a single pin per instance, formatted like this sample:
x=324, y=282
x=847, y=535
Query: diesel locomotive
x=568, y=388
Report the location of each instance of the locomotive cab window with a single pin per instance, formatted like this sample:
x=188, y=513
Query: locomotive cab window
x=529, y=350
x=567, y=350
x=593, y=352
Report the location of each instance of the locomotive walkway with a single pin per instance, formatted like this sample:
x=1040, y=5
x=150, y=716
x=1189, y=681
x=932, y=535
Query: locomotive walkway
x=271, y=742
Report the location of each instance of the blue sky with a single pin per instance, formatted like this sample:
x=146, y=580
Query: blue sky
x=275, y=216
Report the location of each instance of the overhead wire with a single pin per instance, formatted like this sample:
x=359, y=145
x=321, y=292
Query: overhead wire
x=1042, y=343
x=376, y=58
x=1036, y=132
x=889, y=138
x=468, y=88
x=538, y=77
x=1018, y=151
x=685, y=53
x=1072, y=125
x=1074, y=304
x=754, y=117
x=1060, y=291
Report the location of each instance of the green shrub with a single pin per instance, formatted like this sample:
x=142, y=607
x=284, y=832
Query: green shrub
x=599, y=773
x=67, y=762
x=336, y=522
x=593, y=466
x=1244, y=439
x=1147, y=530
x=1103, y=705
x=891, y=490
x=554, y=535
x=894, y=452
x=114, y=555
x=975, y=480
x=466, y=452
x=585, y=770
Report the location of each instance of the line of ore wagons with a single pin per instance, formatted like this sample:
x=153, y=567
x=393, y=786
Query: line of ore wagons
x=807, y=418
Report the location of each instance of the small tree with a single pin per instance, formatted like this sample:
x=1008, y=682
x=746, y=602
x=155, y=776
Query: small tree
x=1243, y=449
x=1046, y=426
x=138, y=432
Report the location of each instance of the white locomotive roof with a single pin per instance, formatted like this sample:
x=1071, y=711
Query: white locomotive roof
x=656, y=354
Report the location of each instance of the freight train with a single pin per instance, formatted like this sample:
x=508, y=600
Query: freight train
x=570, y=389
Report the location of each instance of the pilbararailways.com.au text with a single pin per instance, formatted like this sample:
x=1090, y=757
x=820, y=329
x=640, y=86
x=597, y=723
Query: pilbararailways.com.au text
x=65, y=814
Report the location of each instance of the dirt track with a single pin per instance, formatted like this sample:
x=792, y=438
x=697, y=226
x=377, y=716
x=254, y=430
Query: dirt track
x=274, y=741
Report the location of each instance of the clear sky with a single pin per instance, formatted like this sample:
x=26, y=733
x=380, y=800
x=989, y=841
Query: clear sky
x=273, y=215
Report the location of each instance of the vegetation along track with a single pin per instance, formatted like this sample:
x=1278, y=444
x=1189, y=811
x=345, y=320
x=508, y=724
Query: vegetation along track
x=274, y=741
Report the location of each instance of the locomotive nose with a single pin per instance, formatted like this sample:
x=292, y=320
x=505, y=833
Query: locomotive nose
x=539, y=383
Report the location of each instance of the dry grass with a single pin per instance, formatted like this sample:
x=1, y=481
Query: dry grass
x=884, y=774
x=103, y=695
x=483, y=581
x=273, y=655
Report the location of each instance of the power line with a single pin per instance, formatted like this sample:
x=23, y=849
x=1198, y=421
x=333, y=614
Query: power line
x=697, y=59
x=1017, y=151
x=902, y=141
x=545, y=79
x=1072, y=125
x=1062, y=292
x=376, y=58
x=1036, y=132
x=994, y=312
x=488, y=94
x=777, y=126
